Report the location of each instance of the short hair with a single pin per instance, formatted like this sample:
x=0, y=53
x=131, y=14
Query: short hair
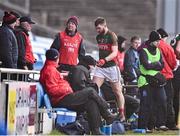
x=99, y=20
x=135, y=38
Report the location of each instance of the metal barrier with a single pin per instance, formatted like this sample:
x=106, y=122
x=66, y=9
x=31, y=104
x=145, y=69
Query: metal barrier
x=25, y=75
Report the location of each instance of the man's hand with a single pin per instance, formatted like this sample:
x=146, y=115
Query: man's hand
x=101, y=62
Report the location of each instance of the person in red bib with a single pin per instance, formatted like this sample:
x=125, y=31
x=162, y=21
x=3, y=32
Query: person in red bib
x=69, y=43
x=25, y=53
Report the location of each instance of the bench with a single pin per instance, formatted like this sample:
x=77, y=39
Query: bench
x=62, y=116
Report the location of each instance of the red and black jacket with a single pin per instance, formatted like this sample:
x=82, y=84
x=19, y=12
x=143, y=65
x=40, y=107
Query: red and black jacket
x=25, y=53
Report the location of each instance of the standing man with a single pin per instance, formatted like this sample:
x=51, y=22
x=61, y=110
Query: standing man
x=25, y=57
x=131, y=65
x=8, y=43
x=176, y=80
x=69, y=43
x=106, y=67
x=152, y=98
x=169, y=59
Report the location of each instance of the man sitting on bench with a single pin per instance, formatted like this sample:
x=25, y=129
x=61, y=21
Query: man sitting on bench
x=61, y=94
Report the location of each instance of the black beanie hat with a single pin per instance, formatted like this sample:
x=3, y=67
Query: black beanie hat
x=9, y=18
x=162, y=32
x=52, y=54
x=154, y=36
x=73, y=19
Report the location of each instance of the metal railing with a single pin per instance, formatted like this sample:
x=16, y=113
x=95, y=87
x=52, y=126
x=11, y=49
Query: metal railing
x=18, y=74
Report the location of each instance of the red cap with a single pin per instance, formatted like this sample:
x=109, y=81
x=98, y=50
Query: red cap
x=9, y=18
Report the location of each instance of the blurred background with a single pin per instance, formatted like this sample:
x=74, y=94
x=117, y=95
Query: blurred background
x=124, y=17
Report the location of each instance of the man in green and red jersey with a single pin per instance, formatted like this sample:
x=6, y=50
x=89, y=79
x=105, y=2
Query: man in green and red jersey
x=69, y=43
x=106, y=67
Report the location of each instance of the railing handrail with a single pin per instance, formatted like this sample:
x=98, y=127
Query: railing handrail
x=18, y=71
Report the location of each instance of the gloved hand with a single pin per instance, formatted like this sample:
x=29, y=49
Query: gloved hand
x=101, y=62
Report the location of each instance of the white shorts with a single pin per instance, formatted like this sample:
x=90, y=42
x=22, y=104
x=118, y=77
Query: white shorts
x=111, y=74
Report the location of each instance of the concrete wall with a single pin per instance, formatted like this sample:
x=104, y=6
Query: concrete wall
x=125, y=17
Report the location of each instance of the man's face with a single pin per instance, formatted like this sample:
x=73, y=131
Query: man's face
x=100, y=28
x=136, y=43
x=17, y=22
x=71, y=26
x=27, y=26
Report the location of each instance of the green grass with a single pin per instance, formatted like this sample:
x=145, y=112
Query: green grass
x=158, y=133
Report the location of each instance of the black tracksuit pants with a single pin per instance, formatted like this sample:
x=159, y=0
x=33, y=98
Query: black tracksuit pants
x=170, y=123
x=152, y=107
x=87, y=100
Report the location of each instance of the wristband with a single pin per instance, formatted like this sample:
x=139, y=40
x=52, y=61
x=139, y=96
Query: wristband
x=105, y=60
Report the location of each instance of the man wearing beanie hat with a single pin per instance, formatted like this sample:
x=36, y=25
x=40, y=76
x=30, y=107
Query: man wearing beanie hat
x=169, y=59
x=8, y=48
x=52, y=54
x=70, y=45
x=62, y=95
x=26, y=58
x=151, y=97
x=9, y=18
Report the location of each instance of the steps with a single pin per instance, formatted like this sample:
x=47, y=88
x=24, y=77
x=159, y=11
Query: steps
x=125, y=17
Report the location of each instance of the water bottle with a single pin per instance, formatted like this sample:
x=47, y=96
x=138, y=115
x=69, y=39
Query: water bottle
x=143, y=131
x=106, y=129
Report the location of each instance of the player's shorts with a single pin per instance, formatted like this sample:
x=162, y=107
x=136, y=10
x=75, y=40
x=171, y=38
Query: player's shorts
x=111, y=74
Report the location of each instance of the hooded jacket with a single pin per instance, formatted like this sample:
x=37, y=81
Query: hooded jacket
x=25, y=47
x=169, y=59
x=56, y=87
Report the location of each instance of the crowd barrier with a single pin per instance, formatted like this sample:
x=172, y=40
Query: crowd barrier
x=18, y=106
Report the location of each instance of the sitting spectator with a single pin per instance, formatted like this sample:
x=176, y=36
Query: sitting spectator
x=79, y=75
x=62, y=95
